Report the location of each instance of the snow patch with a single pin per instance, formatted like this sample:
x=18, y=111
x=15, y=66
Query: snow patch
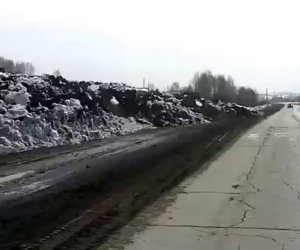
x=114, y=101
x=14, y=176
x=198, y=103
x=3, y=75
x=74, y=103
x=17, y=111
x=14, y=97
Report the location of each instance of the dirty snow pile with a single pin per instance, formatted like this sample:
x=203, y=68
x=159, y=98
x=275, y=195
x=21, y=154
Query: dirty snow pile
x=213, y=110
x=38, y=111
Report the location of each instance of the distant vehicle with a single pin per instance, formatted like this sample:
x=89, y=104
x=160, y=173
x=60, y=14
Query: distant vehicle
x=290, y=105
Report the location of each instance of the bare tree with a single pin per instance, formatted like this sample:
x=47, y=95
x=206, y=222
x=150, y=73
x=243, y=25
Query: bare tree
x=187, y=89
x=204, y=84
x=224, y=89
x=56, y=73
x=29, y=69
x=19, y=68
x=218, y=87
x=16, y=67
x=175, y=87
x=247, y=97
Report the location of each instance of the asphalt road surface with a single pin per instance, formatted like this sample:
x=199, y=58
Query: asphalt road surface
x=53, y=198
x=75, y=197
x=248, y=198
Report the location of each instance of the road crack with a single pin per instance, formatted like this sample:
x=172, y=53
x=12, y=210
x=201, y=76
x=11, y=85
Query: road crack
x=259, y=236
x=244, y=216
x=228, y=234
x=243, y=202
x=243, y=219
x=211, y=192
x=297, y=230
x=254, y=161
x=254, y=187
x=292, y=188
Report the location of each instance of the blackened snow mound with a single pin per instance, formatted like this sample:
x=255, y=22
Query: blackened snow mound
x=48, y=111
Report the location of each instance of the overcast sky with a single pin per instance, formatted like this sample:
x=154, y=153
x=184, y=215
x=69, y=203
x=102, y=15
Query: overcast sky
x=256, y=42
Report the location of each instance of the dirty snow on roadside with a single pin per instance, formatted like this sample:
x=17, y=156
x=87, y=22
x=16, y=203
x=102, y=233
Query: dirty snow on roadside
x=46, y=111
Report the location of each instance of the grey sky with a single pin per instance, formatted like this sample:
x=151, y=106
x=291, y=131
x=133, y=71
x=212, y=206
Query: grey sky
x=256, y=42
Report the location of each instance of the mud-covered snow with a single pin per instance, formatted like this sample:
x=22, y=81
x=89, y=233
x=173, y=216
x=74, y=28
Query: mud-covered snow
x=37, y=111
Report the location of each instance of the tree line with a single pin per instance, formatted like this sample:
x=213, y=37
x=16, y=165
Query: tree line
x=204, y=85
x=9, y=66
x=218, y=87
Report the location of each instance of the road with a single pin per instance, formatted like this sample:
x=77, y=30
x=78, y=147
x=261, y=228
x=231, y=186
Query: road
x=247, y=198
x=49, y=197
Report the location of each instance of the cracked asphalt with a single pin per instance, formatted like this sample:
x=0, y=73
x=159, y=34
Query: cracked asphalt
x=247, y=198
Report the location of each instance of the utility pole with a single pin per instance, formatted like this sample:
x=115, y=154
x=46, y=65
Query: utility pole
x=267, y=97
x=144, y=83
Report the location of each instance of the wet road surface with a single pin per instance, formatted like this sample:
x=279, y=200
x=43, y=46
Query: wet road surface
x=247, y=198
